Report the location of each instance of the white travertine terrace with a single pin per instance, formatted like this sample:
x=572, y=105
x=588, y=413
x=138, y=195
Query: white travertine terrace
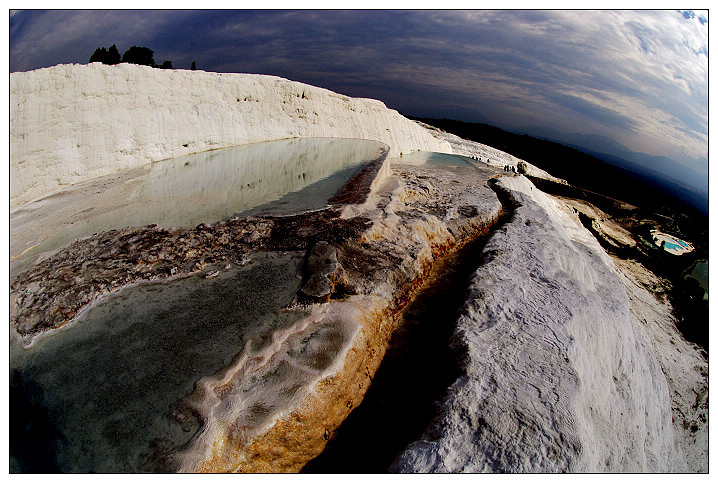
x=559, y=372
x=70, y=123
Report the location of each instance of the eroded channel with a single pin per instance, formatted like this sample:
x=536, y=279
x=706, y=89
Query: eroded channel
x=71, y=432
x=419, y=366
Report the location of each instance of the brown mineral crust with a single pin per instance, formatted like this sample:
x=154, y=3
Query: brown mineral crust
x=323, y=273
x=356, y=190
x=301, y=231
x=302, y=435
x=50, y=294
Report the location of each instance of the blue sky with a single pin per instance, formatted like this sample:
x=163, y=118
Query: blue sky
x=637, y=78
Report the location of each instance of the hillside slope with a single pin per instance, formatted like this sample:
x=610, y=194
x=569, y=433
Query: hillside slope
x=71, y=123
x=559, y=374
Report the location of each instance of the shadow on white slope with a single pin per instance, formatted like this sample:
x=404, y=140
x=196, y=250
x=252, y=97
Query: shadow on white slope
x=557, y=376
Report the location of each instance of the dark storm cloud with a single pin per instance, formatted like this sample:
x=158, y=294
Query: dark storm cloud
x=639, y=78
x=40, y=39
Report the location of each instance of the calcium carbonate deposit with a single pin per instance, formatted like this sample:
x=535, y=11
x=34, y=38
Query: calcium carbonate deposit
x=557, y=375
x=568, y=363
x=70, y=123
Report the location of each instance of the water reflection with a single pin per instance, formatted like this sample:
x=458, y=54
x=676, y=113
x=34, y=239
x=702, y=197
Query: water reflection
x=278, y=177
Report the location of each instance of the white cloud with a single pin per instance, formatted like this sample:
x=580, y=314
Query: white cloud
x=647, y=66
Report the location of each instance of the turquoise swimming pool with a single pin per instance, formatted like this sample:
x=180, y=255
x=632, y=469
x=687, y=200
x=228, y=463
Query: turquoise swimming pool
x=670, y=243
x=673, y=246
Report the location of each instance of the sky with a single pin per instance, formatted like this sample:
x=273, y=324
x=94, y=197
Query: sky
x=606, y=80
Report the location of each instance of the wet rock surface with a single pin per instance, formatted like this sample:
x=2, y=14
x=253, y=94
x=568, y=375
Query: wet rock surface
x=53, y=292
x=367, y=260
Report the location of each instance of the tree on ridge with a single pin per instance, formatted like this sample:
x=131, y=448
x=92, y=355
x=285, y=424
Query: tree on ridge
x=133, y=55
x=113, y=55
x=99, y=55
x=139, y=55
x=109, y=57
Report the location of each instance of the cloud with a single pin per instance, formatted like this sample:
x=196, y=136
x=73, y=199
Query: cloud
x=638, y=77
x=42, y=38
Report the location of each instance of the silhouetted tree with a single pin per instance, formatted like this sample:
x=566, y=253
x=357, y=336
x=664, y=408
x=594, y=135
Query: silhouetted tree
x=113, y=55
x=110, y=57
x=194, y=66
x=140, y=56
x=133, y=55
x=99, y=55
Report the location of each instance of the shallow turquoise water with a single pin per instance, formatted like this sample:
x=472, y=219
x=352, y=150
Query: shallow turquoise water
x=436, y=159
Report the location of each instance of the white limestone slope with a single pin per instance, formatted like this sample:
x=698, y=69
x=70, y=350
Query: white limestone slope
x=70, y=123
x=558, y=375
x=486, y=154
